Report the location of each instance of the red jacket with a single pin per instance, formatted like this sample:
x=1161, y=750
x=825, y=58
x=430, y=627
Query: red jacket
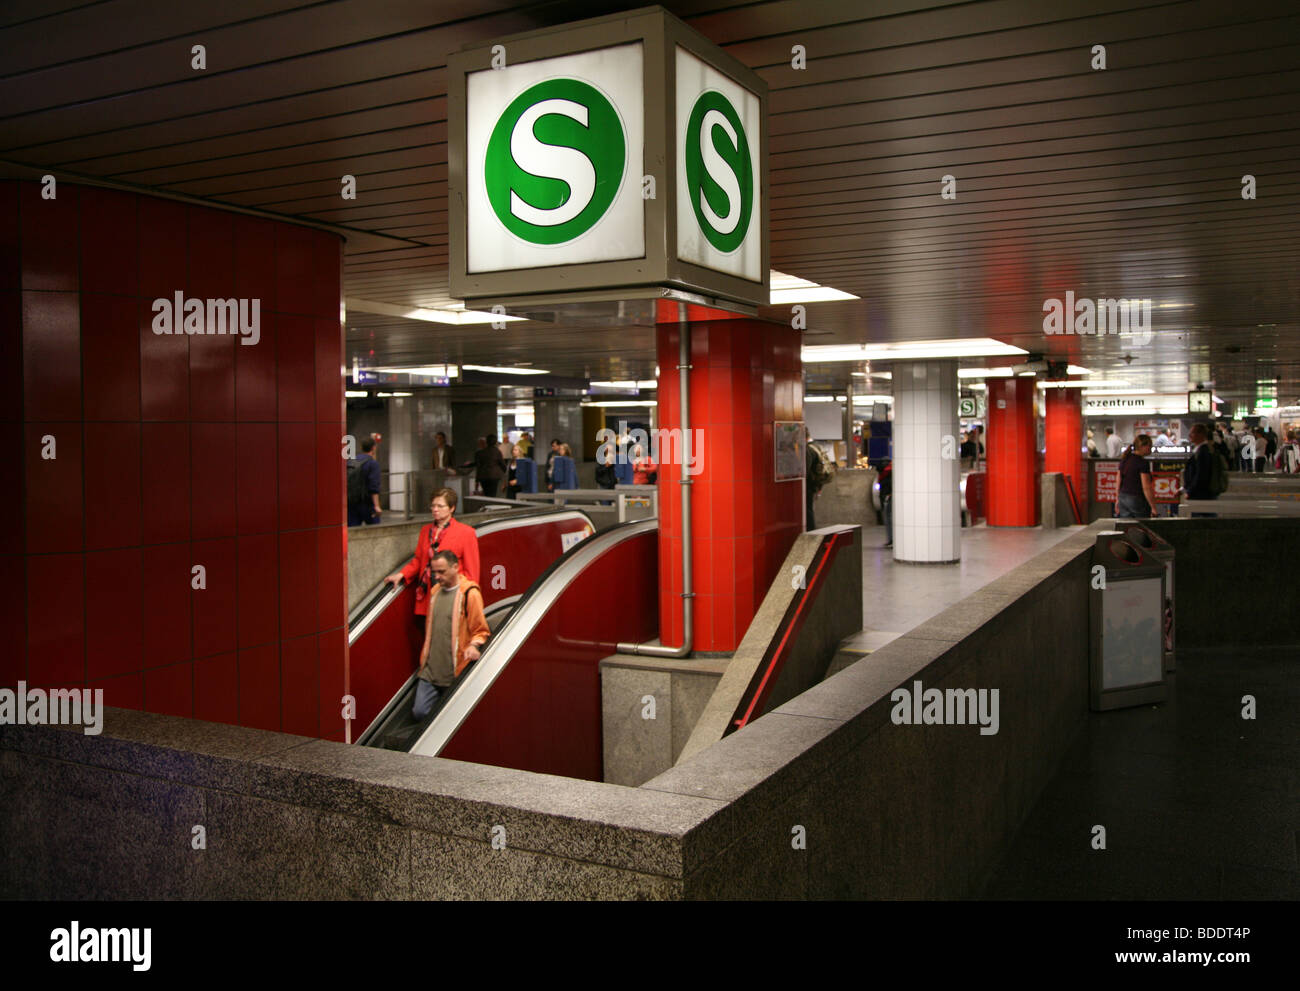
x=458, y=538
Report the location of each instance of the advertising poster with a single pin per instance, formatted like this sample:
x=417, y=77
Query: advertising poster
x=1167, y=477
x=1105, y=482
x=788, y=436
x=1132, y=640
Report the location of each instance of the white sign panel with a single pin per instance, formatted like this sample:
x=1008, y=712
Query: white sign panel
x=554, y=152
x=719, y=214
x=1172, y=403
x=1132, y=640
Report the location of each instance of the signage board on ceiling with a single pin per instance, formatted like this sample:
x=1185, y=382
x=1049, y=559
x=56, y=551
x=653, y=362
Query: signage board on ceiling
x=1174, y=403
x=621, y=157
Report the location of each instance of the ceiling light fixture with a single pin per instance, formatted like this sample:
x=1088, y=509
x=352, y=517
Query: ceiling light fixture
x=502, y=370
x=791, y=289
x=456, y=316
x=974, y=347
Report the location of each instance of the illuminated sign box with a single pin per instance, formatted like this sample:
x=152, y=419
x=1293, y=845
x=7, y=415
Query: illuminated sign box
x=617, y=158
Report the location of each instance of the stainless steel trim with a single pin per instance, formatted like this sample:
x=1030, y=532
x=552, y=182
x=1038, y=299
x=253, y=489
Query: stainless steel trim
x=359, y=622
x=502, y=648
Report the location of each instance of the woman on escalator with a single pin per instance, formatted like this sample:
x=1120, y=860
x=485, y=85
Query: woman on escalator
x=444, y=533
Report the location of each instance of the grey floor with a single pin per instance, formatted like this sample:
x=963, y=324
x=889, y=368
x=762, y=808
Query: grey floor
x=1197, y=802
x=897, y=597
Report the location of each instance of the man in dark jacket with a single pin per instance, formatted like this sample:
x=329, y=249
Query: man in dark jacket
x=489, y=467
x=1200, y=468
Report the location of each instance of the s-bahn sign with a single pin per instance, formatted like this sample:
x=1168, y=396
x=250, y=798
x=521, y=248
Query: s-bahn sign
x=620, y=157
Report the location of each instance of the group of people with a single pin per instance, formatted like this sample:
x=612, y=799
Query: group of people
x=1248, y=449
x=494, y=463
x=448, y=601
x=644, y=469
x=1201, y=481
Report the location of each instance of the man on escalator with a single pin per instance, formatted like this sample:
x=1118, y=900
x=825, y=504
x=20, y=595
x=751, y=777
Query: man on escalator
x=454, y=631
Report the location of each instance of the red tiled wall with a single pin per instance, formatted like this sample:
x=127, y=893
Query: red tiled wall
x=171, y=452
x=1063, y=433
x=747, y=373
x=1012, y=453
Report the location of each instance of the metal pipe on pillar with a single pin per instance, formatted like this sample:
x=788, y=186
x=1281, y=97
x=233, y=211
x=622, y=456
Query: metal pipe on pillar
x=685, y=481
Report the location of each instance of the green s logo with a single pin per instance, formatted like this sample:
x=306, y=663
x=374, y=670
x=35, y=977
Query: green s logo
x=719, y=174
x=555, y=161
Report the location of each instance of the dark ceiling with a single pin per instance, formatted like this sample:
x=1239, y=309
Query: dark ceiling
x=1117, y=182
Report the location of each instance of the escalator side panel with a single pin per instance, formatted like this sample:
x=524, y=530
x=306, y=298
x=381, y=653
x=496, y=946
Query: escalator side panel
x=543, y=713
x=381, y=659
x=512, y=554
x=512, y=558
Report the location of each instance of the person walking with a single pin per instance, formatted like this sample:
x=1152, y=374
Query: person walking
x=887, y=500
x=1114, y=446
x=1198, y=475
x=489, y=467
x=363, y=487
x=1137, y=491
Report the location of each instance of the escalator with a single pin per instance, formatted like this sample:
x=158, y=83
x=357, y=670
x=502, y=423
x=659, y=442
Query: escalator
x=532, y=701
x=384, y=637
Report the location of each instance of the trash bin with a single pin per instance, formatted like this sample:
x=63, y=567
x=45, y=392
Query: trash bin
x=1163, y=551
x=1126, y=608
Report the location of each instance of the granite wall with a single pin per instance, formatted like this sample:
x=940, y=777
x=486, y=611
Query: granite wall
x=1228, y=573
x=824, y=797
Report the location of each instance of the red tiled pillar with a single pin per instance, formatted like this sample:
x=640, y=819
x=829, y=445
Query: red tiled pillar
x=1012, y=452
x=747, y=374
x=1064, y=436
x=172, y=451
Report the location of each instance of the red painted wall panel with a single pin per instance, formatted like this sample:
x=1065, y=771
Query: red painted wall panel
x=1064, y=436
x=543, y=712
x=174, y=441
x=110, y=261
x=747, y=374
x=1012, y=452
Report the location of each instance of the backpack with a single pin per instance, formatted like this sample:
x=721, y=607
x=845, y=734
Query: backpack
x=1218, y=473
x=820, y=476
x=357, y=493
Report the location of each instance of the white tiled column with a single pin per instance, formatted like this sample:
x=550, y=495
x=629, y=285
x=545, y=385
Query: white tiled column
x=927, y=466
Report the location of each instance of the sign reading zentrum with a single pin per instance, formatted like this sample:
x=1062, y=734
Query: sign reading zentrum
x=615, y=158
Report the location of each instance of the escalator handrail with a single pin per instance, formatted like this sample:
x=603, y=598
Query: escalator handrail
x=528, y=613
x=382, y=595
x=402, y=696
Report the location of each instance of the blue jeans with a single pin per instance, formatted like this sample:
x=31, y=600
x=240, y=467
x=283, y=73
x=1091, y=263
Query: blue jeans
x=1132, y=507
x=426, y=695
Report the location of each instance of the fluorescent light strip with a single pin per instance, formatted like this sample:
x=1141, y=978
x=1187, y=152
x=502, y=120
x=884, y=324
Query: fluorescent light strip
x=981, y=347
x=983, y=373
x=784, y=288
x=622, y=404
x=437, y=371
x=1096, y=383
x=1121, y=392
x=458, y=317
x=356, y=395
x=501, y=370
